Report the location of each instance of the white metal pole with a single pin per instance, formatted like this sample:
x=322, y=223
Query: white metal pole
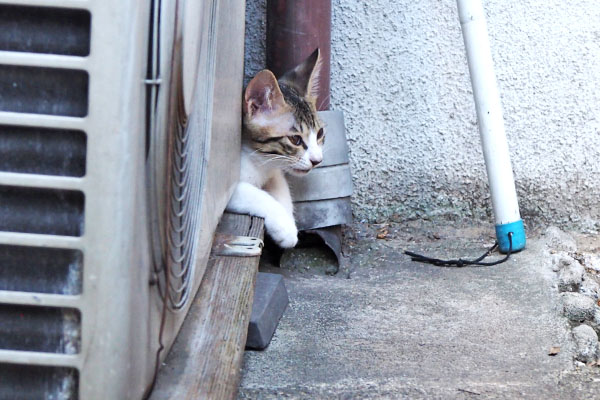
x=491, y=125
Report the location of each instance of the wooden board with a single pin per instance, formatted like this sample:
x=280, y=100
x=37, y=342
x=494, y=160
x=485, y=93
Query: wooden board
x=205, y=361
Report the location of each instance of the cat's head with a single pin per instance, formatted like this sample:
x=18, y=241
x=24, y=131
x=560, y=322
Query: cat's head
x=280, y=117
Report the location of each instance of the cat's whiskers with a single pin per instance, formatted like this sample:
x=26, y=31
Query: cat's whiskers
x=278, y=156
x=266, y=158
x=256, y=152
x=271, y=158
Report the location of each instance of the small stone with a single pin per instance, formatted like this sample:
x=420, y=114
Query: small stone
x=595, y=321
x=559, y=240
x=561, y=260
x=586, y=342
x=578, y=307
x=591, y=261
x=555, y=263
x=590, y=287
x=570, y=277
x=554, y=350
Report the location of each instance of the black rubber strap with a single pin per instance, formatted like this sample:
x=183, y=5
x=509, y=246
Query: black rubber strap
x=464, y=263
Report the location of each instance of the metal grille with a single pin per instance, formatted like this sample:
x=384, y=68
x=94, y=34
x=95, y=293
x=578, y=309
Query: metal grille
x=43, y=151
x=178, y=153
x=34, y=203
x=185, y=152
x=41, y=270
x=26, y=382
x=45, y=30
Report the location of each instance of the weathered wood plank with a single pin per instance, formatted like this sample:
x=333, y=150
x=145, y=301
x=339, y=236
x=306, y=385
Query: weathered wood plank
x=238, y=224
x=206, y=358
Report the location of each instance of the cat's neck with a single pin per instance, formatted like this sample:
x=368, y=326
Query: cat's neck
x=254, y=168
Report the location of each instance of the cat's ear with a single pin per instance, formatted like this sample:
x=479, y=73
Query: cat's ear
x=262, y=94
x=305, y=77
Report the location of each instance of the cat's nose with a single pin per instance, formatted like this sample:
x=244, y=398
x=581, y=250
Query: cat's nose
x=315, y=162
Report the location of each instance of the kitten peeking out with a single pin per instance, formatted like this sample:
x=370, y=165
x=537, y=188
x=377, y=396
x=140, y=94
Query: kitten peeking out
x=281, y=134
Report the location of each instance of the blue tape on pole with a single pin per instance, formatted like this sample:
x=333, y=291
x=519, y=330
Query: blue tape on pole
x=518, y=237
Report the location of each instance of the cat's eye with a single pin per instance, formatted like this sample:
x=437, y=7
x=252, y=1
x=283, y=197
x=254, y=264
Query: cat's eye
x=320, y=134
x=296, y=140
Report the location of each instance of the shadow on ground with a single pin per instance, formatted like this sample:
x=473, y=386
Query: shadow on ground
x=386, y=327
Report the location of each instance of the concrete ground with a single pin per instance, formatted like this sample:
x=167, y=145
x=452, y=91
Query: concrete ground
x=386, y=327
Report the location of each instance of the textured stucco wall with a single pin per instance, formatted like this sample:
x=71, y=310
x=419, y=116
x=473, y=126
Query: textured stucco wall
x=400, y=76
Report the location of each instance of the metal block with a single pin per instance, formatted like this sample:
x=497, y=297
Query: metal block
x=270, y=301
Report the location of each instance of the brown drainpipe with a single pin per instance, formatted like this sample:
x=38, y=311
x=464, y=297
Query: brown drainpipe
x=295, y=28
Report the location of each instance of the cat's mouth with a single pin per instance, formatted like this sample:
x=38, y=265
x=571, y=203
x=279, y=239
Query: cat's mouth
x=298, y=171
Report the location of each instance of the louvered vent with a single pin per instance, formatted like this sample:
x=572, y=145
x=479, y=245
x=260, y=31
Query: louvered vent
x=36, y=382
x=41, y=273
x=182, y=146
x=183, y=190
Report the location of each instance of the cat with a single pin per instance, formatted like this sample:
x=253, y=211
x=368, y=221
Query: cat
x=282, y=134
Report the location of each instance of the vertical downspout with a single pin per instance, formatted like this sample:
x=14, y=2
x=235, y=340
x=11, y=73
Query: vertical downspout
x=295, y=28
x=491, y=126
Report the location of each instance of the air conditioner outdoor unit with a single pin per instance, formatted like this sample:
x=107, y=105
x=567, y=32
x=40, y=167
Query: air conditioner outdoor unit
x=119, y=148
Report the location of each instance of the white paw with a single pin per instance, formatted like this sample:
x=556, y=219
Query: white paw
x=283, y=230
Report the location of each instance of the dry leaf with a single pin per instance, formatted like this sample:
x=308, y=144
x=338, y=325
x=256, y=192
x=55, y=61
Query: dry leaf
x=554, y=350
x=382, y=233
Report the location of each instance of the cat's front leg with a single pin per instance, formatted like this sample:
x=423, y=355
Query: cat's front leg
x=278, y=187
x=280, y=225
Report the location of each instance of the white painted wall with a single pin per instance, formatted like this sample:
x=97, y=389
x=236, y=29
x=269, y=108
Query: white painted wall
x=400, y=76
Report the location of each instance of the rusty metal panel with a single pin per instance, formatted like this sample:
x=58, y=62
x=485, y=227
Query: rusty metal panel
x=322, y=183
x=335, y=149
x=323, y=213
